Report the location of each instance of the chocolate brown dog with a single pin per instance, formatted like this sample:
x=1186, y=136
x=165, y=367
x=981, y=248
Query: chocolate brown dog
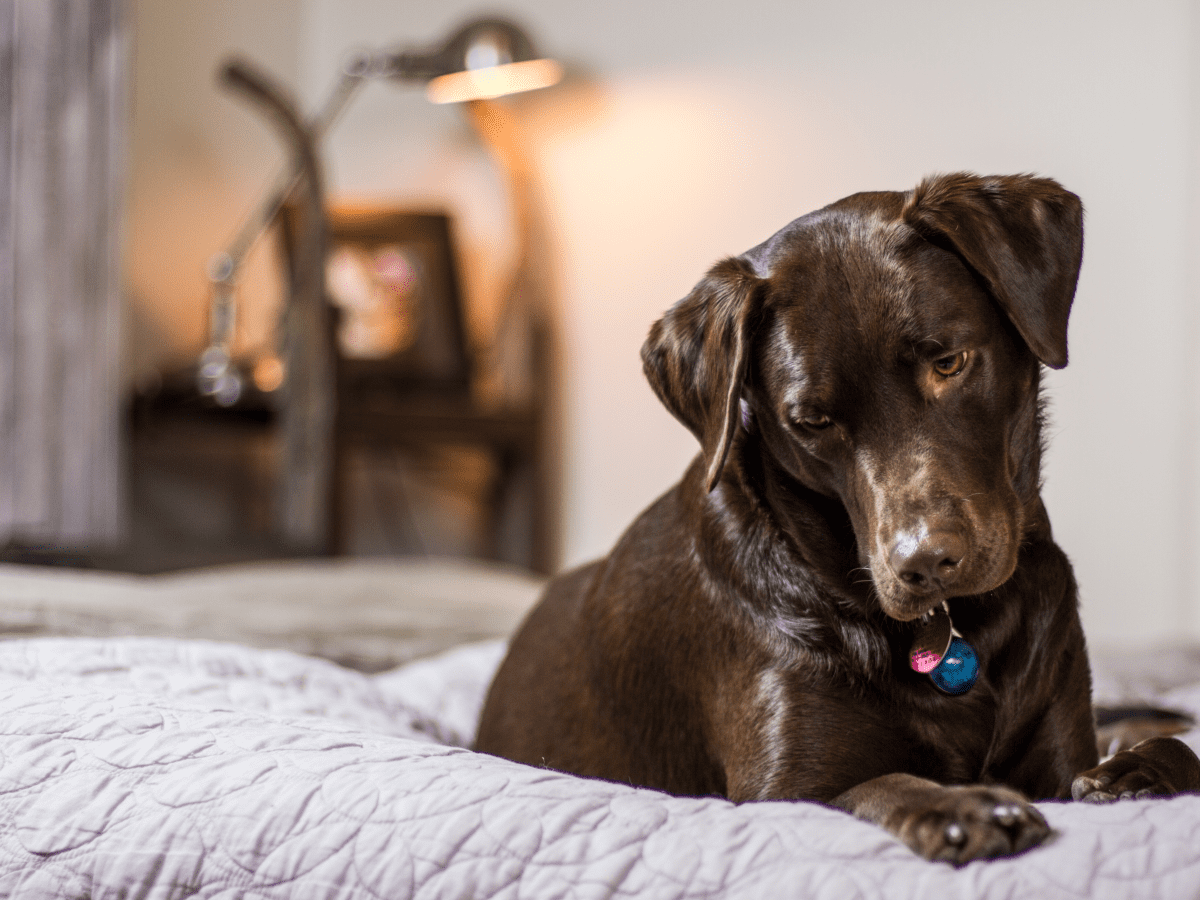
x=865, y=389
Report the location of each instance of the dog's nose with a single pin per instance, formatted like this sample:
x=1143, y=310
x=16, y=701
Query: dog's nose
x=928, y=561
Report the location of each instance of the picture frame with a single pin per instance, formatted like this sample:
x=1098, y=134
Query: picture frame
x=392, y=279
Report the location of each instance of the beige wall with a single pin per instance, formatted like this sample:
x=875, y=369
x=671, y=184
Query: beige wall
x=681, y=138
x=199, y=158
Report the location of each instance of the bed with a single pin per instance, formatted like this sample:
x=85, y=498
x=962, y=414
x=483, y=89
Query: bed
x=308, y=739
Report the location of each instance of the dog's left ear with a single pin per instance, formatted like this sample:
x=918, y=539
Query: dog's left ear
x=1022, y=235
x=697, y=354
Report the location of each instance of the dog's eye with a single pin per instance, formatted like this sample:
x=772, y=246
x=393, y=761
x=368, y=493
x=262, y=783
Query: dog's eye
x=816, y=423
x=949, y=366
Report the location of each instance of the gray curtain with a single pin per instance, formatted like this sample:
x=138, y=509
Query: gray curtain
x=63, y=124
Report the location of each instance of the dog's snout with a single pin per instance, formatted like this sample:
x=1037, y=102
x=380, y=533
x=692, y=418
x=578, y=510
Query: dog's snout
x=928, y=561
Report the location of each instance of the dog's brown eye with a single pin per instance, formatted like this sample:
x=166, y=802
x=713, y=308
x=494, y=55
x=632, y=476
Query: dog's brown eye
x=949, y=366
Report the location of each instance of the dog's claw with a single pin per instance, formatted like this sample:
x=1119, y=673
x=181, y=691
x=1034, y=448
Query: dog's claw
x=962, y=823
x=1006, y=815
x=1091, y=790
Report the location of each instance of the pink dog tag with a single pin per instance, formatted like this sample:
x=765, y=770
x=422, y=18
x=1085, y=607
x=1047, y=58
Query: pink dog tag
x=933, y=640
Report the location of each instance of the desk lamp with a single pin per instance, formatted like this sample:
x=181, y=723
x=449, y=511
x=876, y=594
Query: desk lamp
x=484, y=59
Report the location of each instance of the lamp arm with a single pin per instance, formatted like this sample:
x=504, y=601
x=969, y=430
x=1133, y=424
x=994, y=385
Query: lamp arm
x=299, y=137
x=217, y=376
x=305, y=490
x=225, y=265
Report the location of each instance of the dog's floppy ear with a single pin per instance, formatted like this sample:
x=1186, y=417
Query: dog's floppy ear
x=1023, y=235
x=696, y=357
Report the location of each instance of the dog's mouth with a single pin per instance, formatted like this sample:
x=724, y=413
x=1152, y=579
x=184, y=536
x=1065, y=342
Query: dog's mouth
x=909, y=609
x=907, y=600
x=915, y=613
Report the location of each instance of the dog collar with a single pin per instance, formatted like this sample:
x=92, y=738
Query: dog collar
x=943, y=654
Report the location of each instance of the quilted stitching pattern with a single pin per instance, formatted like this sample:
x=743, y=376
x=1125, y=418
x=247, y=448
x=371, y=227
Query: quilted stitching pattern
x=168, y=769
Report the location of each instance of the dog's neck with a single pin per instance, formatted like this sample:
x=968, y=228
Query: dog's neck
x=789, y=553
x=814, y=530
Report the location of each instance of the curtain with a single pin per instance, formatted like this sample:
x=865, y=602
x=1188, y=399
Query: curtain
x=63, y=126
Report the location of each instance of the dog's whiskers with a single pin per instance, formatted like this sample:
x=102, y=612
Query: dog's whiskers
x=861, y=570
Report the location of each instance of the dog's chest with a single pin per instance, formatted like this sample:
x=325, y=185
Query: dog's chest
x=831, y=734
x=952, y=736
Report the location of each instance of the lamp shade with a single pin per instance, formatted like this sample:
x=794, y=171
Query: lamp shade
x=485, y=58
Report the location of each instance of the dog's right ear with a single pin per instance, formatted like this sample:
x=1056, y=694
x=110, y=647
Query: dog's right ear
x=697, y=354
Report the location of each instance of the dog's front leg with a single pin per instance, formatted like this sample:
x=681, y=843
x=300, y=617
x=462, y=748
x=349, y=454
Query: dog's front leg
x=1157, y=767
x=954, y=824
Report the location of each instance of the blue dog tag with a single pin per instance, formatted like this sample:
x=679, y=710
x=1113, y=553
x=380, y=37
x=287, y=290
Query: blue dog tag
x=958, y=669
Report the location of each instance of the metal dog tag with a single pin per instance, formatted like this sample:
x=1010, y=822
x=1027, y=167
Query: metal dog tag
x=934, y=633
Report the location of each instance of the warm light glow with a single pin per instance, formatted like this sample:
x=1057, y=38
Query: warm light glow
x=495, y=81
x=268, y=374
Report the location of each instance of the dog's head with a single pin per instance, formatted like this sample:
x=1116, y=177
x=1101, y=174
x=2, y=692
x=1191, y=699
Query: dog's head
x=885, y=351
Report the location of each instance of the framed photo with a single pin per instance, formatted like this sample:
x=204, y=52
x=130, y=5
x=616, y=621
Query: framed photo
x=392, y=277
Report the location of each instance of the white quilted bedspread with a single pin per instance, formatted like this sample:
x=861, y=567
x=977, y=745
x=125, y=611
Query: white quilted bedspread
x=145, y=768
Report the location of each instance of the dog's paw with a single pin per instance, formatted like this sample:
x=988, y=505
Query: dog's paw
x=974, y=822
x=1158, y=767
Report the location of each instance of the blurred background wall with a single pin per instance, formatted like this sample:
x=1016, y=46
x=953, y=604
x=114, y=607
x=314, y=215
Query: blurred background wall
x=686, y=133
